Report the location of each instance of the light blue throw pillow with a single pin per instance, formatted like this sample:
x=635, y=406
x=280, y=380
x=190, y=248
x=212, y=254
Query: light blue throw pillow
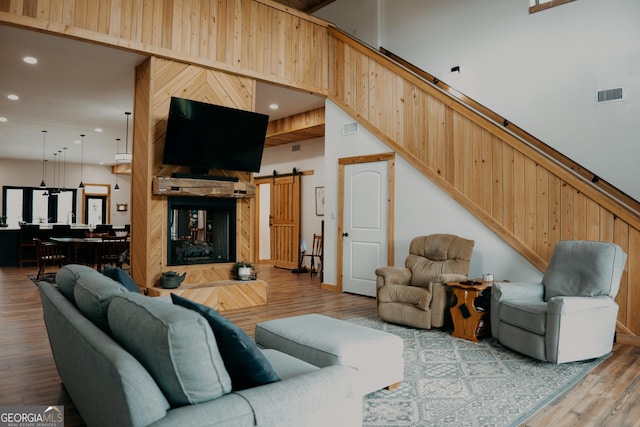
x=174, y=344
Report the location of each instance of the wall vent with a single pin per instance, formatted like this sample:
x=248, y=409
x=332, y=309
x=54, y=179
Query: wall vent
x=295, y=147
x=349, y=128
x=609, y=95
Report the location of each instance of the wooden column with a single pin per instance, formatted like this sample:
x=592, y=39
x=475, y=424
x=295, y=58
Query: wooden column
x=156, y=81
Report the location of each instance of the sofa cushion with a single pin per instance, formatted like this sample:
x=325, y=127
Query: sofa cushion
x=92, y=294
x=174, y=344
x=67, y=276
x=530, y=315
x=121, y=276
x=246, y=365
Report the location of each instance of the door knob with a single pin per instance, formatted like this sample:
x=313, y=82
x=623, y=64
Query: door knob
x=345, y=234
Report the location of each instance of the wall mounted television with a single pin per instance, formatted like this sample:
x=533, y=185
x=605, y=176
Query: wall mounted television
x=205, y=136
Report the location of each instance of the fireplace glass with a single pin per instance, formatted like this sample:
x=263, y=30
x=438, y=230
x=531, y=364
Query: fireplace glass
x=202, y=230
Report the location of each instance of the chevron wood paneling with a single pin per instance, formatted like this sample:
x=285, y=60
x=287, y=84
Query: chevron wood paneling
x=157, y=80
x=222, y=295
x=524, y=197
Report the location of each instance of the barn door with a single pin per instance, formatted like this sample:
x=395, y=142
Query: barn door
x=285, y=221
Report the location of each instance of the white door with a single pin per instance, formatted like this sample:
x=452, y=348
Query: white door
x=364, y=225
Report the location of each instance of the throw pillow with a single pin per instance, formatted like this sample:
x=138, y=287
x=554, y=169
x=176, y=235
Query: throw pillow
x=174, y=344
x=119, y=275
x=92, y=294
x=245, y=363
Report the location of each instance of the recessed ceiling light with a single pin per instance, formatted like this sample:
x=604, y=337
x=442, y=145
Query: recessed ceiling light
x=274, y=106
x=98, y=130
x=30, y=60
x=3, y=119
x=13, y=97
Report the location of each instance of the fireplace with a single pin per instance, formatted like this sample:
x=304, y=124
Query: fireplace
x=202, y=230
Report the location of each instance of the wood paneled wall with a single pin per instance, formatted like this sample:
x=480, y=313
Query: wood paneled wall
x=526, y=198
x=255, y=38
x=156, y=81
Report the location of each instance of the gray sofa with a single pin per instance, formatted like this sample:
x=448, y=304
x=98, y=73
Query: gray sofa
x=176, y=378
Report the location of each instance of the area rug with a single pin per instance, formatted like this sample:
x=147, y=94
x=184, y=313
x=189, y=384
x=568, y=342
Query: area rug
x=454, y=382
x=48, y=277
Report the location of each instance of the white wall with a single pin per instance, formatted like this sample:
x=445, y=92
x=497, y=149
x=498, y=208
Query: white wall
x=421, y=208
x=541, y=71
x=28, y=173
x=310, y=157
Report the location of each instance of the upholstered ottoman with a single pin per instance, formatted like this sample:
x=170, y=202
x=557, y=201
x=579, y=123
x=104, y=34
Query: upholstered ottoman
x=324, y=341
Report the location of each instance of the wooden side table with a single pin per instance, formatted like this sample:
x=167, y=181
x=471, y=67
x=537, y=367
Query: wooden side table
x=466, y=318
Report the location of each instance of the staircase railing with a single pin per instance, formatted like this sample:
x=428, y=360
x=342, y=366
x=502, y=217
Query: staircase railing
x=609, y=189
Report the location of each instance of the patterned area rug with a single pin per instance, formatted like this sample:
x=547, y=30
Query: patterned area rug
x=454, y=382
x=48, y=277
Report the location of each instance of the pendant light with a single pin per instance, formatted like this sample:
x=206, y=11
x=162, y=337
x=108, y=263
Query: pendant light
x=64, y=169
x=126, y=156
x=53, y=191
x=44, y=136
x=81, y=160
x=117, y=187
x=45, y=192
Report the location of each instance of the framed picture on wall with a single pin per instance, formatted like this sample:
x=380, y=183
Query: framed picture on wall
x=320, y=201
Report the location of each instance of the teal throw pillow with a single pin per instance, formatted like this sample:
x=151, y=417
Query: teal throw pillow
x=244, y=362
x=121, y=276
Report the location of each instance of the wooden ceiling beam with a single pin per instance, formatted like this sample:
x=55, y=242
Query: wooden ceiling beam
x=298, y=127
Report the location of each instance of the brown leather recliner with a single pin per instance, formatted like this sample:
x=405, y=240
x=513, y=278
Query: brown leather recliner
x=416, y=295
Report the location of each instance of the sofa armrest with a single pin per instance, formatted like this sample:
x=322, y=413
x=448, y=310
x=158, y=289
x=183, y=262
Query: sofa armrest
x=448, y=278
x=392, y=276
x=324, y=397
x=573, y=305
x=510, y=291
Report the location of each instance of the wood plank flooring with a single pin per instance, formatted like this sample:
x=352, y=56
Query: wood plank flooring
x=607, y=396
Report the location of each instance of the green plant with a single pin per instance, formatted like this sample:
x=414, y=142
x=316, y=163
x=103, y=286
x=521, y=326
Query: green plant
x=240, y=264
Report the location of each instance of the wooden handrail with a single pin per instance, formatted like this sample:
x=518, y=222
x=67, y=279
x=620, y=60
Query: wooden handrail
x=608, y=189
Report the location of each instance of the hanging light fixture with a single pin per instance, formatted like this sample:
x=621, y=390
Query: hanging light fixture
x=64, y=169
x=126, y=156
x=117, y=187
x=53, y=191
x=45, y=192
x=81, y=160
x=44, y=136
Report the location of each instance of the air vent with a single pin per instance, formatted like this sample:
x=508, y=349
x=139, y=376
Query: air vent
x=349, y=128
x=610, y=95
x=295, y=147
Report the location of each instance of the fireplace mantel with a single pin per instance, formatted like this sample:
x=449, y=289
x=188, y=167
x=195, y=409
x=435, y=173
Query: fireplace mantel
x=170, y=186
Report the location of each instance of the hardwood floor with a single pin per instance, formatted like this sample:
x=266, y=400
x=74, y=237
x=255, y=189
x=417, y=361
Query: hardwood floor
x=607, y=396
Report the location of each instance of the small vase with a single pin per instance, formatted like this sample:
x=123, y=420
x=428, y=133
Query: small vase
x=244, y=272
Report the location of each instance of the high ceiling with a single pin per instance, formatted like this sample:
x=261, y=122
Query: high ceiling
x=77, y=87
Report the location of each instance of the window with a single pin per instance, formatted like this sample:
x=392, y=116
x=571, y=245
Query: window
x=37, y=205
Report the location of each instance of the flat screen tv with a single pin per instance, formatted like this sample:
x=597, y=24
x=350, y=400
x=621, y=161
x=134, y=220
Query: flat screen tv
x=206, y=136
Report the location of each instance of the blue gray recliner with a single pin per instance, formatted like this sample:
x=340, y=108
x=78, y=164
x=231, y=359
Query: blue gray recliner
x=572, y=314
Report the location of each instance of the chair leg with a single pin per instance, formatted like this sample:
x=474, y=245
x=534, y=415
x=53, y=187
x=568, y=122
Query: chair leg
x=312, y=265
x=40, y=274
